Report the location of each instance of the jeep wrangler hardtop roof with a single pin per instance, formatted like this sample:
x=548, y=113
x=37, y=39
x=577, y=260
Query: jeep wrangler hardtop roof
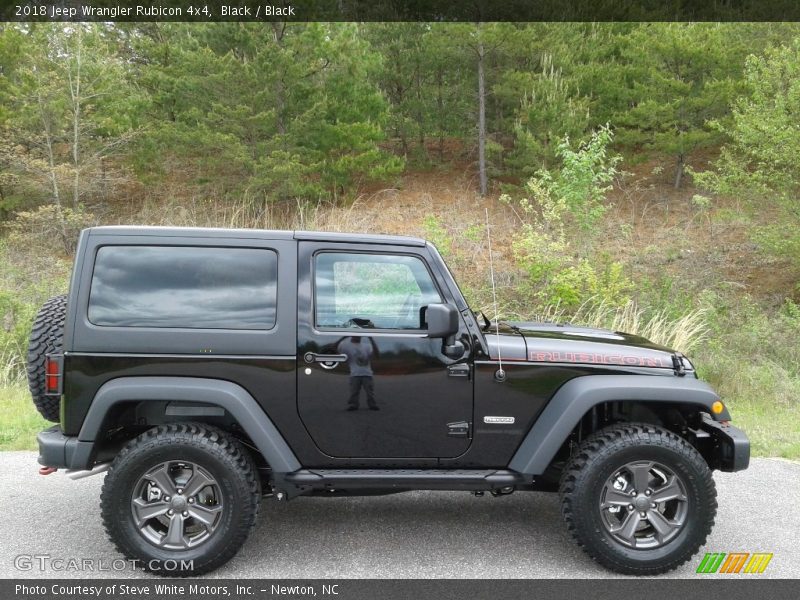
x=269, y=234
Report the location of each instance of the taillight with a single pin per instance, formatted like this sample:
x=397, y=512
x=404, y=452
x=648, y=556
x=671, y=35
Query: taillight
x=52, y=369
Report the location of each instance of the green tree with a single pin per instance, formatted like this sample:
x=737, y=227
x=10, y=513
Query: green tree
x=404, y=76
x=70, y=109
x=483, y=43
x=289, y=110
x=550, y=110
x=12, y=48
x=682, y=76
x=450, y=96
x=759, y=163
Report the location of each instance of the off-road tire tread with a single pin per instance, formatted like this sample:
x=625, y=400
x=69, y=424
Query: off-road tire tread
x=600, y=445
x=47, y=337
x=211, y=439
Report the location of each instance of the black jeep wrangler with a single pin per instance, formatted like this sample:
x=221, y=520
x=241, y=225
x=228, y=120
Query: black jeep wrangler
x=206, y=369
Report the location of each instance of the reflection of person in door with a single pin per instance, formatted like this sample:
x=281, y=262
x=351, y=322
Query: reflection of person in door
x=359, y=352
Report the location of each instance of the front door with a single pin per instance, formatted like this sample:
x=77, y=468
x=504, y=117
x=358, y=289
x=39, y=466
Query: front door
x=370, y=384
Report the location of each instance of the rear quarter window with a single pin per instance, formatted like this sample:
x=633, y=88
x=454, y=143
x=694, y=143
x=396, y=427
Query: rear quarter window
x=184, y=287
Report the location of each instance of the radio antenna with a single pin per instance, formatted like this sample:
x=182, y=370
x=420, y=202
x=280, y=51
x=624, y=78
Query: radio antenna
x=500, y=374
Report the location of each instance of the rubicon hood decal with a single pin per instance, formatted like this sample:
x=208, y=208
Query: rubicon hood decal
x=594, y=358
x=547, y=343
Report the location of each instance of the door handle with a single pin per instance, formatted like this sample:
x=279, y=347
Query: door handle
x=458, y=429
x=327, y=361
x=459, y=370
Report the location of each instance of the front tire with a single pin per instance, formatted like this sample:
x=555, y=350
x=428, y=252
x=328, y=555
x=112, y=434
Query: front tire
x=181, y=499
x=639, y=499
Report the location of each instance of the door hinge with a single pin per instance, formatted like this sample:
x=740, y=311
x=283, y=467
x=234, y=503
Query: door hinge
x=459, y=429
x=677, y=364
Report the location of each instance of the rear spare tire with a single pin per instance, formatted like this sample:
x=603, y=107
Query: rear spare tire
x=47, y=337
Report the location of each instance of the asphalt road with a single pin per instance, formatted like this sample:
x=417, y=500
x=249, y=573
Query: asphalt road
x=418, y=534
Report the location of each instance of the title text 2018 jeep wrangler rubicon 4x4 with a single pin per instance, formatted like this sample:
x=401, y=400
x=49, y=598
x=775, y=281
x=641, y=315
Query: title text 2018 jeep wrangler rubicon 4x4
x=207, y=368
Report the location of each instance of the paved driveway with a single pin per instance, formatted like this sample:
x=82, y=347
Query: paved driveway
x=417, y=534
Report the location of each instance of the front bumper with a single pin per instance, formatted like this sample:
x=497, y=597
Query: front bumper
x=62, y=451
x=730, y=448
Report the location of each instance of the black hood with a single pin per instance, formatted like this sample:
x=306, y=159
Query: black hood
x=564, y=343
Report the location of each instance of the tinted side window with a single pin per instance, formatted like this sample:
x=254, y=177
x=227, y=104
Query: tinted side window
x=194, y=287
x=372, y=290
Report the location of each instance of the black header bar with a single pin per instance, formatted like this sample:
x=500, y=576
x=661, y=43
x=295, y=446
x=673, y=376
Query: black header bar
x=399, y=10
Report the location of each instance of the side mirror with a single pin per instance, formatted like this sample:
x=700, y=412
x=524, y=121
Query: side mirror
x=442, y=320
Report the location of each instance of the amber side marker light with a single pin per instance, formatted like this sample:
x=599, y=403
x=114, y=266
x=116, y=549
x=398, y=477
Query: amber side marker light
x=717, y=407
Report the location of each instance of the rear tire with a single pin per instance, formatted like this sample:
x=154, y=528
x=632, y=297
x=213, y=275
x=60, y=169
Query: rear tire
x=47, y=337
x=186, y=493
x=636, y=531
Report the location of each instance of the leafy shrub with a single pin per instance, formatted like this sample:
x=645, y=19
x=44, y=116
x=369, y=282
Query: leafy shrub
x=556, y=276
x=559, y=271
x=579, y=187
x=49, y=227
x=28, y=277
x=465, y=250
x=436, y=233
x=15, y=325
x=760, y=161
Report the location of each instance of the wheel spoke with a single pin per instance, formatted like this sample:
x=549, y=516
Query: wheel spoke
x=650, y=510
x=197, y=482
x=641, y=476
x=615, y=497
x=144, y=511
x=205, y=514
x=627, y=530
x=162, y=479
x=178, y=515
x=661, y=524
x=174, y=536
x=669, y=491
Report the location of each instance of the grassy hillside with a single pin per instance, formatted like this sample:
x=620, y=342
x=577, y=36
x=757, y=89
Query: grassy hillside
x=695, y=279
x=19, y=421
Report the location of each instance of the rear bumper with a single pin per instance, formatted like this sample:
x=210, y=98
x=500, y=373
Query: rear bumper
x=62, y=451
x=731, y=448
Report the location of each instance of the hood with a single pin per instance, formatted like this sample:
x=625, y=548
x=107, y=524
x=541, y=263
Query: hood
x=564, y=343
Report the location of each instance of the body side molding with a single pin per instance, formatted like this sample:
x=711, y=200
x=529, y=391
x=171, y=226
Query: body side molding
x=577, y=396
x=233, y=398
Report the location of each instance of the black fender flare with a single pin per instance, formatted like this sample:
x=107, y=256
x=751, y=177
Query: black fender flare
x=578, y=395
x=216, y=392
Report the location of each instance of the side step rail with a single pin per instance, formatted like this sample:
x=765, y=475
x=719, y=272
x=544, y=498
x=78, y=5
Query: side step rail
x=307, y=480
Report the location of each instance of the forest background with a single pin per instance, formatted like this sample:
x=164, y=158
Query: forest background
x=637, y=176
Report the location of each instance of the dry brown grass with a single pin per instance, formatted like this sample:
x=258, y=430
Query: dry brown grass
x=363, y=214
x=658, y=233
x=683, y=334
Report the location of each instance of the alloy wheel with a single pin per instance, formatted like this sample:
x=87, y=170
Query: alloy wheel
x=176, y=505
x=644, y=505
